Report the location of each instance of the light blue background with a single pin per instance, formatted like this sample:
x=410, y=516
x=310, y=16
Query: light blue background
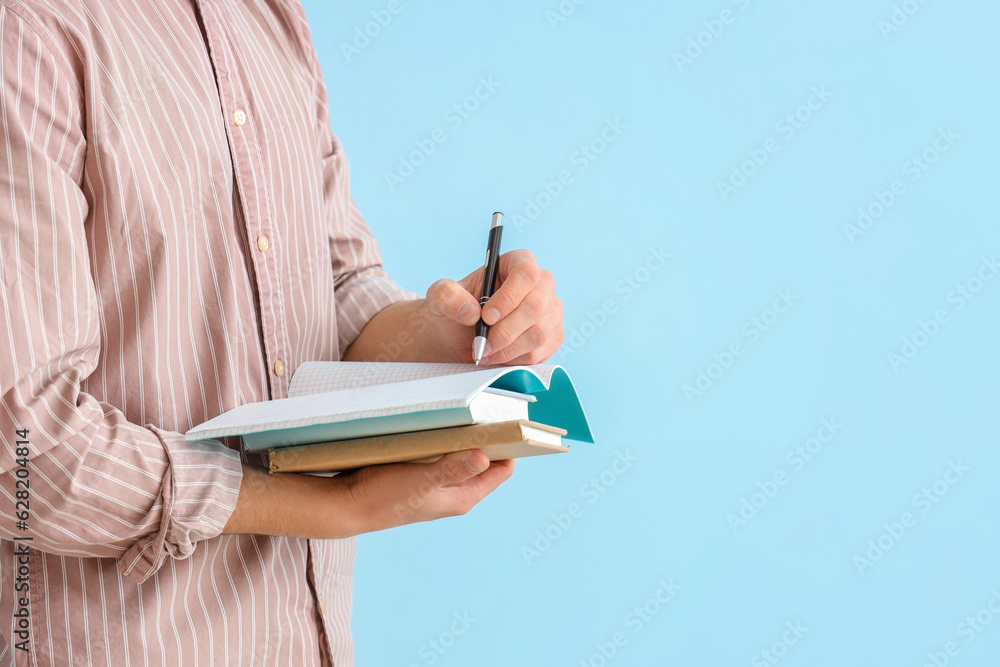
x=655, y=185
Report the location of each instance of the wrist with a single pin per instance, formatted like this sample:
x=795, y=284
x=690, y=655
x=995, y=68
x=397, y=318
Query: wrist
x=403, y=331
x=293, y=505
x=429, y=344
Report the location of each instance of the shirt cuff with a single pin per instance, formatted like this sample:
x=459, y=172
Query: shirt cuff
x=361, y=298
x=198, y=495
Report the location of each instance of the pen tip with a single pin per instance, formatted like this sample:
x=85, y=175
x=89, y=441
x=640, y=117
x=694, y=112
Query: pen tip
x=478, y=348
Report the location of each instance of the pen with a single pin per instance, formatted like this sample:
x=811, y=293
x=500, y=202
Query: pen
x=489, y=280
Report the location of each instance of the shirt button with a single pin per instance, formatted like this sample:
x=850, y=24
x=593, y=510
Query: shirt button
x=279, y=367
x=239, y=117
x=263, y=243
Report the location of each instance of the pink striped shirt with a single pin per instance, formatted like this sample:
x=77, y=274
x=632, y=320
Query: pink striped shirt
x=176, y=236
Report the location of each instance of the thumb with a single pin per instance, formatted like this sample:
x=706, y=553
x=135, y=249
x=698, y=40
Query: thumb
x=452, y=300
x=457, y=467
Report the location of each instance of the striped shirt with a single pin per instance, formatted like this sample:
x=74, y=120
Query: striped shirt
x=176, y=236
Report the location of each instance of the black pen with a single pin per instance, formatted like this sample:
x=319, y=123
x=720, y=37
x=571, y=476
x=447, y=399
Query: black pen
x=489, y=280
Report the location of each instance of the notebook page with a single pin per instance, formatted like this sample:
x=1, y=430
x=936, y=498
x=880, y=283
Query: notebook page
x=401, y=397
x=314, y=377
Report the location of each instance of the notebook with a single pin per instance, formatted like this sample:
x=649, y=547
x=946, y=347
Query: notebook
x=341, y=400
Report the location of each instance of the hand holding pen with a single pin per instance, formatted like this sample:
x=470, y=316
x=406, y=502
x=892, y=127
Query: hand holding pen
x=524, y=315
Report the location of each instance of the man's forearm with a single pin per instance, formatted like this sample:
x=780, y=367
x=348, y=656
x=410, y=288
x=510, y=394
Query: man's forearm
x=402, y=331
x=292, y=505
x=366, y=500
x=524, y=317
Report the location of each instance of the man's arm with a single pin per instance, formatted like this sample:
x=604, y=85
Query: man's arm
x=97, y=484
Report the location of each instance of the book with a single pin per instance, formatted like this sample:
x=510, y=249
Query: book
x=342, y=400
x=498, y=440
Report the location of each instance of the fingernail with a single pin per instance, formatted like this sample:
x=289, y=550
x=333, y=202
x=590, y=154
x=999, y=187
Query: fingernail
x=491, y=316
x=467, y=313
x=475, y=464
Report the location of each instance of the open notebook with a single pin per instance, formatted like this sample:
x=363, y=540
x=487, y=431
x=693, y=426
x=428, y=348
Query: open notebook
x=342, y=400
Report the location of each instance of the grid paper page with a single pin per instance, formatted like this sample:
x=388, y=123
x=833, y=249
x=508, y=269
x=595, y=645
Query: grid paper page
x=404, y=396
x=314, y=377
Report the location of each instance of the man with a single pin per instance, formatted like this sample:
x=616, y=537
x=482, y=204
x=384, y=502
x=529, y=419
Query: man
x=176, y=236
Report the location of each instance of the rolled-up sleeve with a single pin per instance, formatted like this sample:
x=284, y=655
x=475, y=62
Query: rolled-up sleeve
x=97, y=485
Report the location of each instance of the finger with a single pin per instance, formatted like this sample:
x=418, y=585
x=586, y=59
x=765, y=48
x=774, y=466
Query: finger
x=450, y=299
x=538, y=356
x=538, y=342
x=519, y=273
x=467, y=486
x=478, y=487
x=529, y=325
x=457, y=467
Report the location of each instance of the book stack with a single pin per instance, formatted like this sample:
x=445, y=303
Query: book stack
x=344, y=415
